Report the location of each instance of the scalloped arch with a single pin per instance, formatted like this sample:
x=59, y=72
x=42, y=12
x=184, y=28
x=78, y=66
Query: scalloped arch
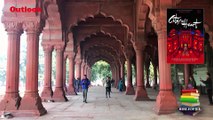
x=101, y=32
x=92, y=62
x=111, y=50
x=100, y=57
x=85, y=17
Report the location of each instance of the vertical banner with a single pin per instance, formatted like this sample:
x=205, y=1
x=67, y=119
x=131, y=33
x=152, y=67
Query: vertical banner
x=185, y=36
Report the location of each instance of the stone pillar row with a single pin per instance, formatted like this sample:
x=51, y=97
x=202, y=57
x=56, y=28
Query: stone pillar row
x=59, y=94
x=78, y=68
x=11, y=100
x=31, y=103
x=70, y=90
x=122, y=75
x=47, y=91
x=166, y=101
x=140, y=90
x=129, y=89
x=186, y=74
x=64, y=73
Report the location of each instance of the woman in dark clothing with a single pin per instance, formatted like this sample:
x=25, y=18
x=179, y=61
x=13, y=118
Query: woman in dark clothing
x=192, y=83
x=108, y=87
x=208, y=83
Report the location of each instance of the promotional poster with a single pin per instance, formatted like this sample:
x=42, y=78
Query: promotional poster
x=185, y=36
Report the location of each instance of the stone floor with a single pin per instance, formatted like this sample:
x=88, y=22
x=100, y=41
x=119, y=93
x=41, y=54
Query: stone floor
x=118, y=107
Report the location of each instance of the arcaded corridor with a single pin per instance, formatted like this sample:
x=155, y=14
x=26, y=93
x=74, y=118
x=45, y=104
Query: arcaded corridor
x=118, y=107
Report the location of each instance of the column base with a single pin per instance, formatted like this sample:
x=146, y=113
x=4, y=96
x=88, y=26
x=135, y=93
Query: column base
x=25, y=113
x=11, y=101
x=59, y=95
x=166, y=102
x=141, y=94
x=46, y=94
x=31, y=105
x=130, y=90
x=71, y=90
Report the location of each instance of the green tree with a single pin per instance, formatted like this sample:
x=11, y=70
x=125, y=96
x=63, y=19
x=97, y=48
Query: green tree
x=100, y=70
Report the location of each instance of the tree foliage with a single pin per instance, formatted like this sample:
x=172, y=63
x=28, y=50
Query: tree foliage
x=100, y=70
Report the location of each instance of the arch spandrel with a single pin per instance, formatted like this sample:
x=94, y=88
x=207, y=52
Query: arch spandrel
x=94, y=51
x=85, y=32
x=100, y=22
x=107, y=43
x=97, y=58
x=101, y=50
x=101, y=47
x=93, y=8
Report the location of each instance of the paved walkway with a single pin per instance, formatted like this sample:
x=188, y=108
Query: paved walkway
x=118, y=107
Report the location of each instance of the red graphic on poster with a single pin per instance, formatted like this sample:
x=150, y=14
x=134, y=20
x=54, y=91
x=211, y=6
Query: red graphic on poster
x=185, y=40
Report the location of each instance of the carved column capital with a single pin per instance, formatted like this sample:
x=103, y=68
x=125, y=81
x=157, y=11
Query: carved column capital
x=13, y=27
x=32, y=27
x=59, y=48
x=78, y=61
x=139, y=45
x=47, y=48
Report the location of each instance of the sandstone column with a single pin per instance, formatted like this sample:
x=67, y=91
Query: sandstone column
x=116, y=76
x=78, y=68
x=147, y=75
x=89, y=73
x=82, y=69
x=58, y=94
x=11, y=100
x=186, y=74
x=129, y=89
x=166, y=101
x=71, y=90
x=140, y=90
x=31, y=101
x=47, y=90
x=64, y=74
x=122, y=75
x=155, y=77
x=85, y=69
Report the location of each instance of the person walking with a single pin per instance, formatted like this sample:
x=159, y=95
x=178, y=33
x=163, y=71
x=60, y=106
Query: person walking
x=208, y=84
x=120, y=85
x=191, y=83
x=85, y=82
x=108, y=87
x=77, y=84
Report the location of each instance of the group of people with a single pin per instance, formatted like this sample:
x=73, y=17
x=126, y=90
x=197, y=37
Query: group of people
x=108, y=83
x=85, y=83
x=82, y=85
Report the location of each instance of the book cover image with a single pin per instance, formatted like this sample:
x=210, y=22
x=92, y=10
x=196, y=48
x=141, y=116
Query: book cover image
x=185, y=36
